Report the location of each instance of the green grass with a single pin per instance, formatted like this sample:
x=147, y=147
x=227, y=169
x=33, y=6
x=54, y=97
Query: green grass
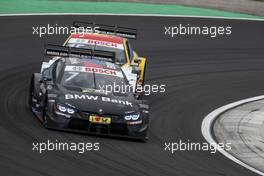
x=60, y=6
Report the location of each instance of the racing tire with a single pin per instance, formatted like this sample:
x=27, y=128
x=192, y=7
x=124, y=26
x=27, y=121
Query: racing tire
x=32, y=91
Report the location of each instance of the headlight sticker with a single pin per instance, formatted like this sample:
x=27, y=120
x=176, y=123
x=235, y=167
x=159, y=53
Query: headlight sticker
x=132, y=117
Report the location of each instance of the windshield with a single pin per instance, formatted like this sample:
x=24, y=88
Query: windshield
x=81, y=78
x=118, y=49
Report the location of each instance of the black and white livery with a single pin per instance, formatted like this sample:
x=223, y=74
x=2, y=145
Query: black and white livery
x=74, y=93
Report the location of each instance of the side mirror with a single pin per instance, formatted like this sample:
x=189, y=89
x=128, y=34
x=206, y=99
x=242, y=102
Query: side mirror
x=134, y=64
x=46, y=79
x=46, y=75
x=137, y=60
x=135, y=70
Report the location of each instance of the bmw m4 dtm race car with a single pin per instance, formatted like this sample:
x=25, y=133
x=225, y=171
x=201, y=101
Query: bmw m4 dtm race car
x=69, y=94
x=114, y=39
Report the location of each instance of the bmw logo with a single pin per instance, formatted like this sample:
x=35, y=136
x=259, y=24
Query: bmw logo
x=100, y=111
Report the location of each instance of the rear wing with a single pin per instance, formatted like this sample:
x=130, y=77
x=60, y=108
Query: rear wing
x=108, y=29
x=64, y=51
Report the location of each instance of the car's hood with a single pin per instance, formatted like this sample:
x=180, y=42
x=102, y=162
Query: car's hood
x=95, y=102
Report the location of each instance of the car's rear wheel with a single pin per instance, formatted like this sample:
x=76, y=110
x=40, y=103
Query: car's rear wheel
x=33, y=100
x=31, y=92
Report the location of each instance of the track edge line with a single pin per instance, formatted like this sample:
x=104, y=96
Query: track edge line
x=210, y=118
x=153, y=15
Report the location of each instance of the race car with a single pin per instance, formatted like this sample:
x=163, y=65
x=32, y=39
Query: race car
x=115, y=39
x=72, y=93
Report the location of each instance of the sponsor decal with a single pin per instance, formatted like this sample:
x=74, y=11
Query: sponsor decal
x=90, y=90
x=71, y=68
x=93, y=65
x=95, y=98
x=99, y=119
x=96, y=43
x=74, y=60
x=101, y=71
x=110, y=65
x=80, y=97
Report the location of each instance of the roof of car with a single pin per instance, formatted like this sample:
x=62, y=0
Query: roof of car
x=92, y=66
x=100, y=37
x=91, y=63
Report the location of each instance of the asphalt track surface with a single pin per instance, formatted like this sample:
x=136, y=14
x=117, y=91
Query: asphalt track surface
x=201, y=74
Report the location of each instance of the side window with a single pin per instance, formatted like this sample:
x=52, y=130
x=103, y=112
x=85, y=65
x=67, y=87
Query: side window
x=53, y=70
x=50, y=73
x=58, y=69
x=129, y=51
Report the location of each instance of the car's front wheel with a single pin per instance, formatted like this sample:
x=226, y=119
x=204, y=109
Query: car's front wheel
x=32, y=92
